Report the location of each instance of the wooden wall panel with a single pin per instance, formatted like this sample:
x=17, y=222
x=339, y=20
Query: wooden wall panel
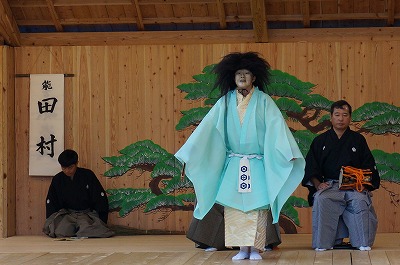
x=3, y=115
x=123, y=94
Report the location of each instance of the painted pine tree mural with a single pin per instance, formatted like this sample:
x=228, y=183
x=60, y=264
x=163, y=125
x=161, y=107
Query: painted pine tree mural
x=168, y=190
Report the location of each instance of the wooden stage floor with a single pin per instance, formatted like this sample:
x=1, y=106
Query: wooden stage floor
x=176, y=249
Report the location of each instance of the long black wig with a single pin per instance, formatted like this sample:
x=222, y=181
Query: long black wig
x=232, y=62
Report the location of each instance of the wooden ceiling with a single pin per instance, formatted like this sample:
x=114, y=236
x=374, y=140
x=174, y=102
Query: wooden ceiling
x=87, y=22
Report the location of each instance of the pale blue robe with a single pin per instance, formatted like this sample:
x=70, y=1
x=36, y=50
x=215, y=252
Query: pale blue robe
x=264, y=132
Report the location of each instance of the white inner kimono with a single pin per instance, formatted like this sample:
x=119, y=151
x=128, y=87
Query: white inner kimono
x=245, y=229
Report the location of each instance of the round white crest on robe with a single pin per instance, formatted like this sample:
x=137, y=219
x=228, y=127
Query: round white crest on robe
x=323, y=148
x=354, y=149
x=102, y=194
x=48, y=201
x=87, y=187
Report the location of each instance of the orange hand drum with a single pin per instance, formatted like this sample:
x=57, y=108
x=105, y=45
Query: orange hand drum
x=354, y=178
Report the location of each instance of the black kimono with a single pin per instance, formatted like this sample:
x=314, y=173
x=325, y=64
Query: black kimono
x=338, y=213
x=82, y=198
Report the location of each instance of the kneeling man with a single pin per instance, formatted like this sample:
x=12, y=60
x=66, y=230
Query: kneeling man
x=76, y=203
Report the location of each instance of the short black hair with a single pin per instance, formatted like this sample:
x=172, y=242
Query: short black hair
x=68, y=157
x=339, y=105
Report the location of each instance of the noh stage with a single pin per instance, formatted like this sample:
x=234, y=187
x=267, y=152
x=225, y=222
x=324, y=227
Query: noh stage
x=176, y=249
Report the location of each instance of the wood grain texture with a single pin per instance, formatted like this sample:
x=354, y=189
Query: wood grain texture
x=177, y=249
x=123, y=94
x=7, y=143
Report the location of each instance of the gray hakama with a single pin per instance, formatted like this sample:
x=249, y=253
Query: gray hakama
x=69, y=223
x=338, y=214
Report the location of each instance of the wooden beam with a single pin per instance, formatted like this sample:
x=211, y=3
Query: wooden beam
x=127, y=2
x=207, y=37
x=350, y=16
x=35, y=22
x=335, y=34
x=140, y=38
x=3, y=33
x=28, y=3
x=166, y=20
x=139, y=17
x=194, y=20
x=327, y=17
x=54, y=15
x=91, y=2
x=9, y=28
x=221, y=14
x=42, y=3
x=128, y=20
x=305, y=10
x=155, y=2
x=390, y=10
x=259, y=20
x=291, y=1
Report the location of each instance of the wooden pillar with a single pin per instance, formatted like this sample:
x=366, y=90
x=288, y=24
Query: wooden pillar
x=7, y=143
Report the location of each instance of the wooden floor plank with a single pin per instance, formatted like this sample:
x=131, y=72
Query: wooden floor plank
x=199, y=257
x=288, y=257
x=394, y=256
x=324, y=257
x=115, y=258
x=181, y=258
x=18, y=258
x=178, y=250
x=219, y=257
x=305, y=257
x=378, y=257
x=162, y=258
x=135, y=258
x=342, y=257
x=271, y=257
x=360, y=257
x=228, y=259
x=52, y=258
x=92, y=258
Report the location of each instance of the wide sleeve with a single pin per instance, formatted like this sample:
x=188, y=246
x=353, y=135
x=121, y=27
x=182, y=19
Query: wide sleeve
x=313, y=168
x=284, y=163
x=204, y=154
x=98, y=197
x=53, y=203
x=368, y=162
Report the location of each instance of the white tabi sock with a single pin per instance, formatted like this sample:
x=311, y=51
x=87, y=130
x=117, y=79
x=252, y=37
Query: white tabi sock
x=243, y=254
x=364, y=248
x=210, y=249
x=254, y=254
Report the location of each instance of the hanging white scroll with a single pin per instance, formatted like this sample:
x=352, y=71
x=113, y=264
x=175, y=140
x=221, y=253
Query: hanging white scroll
x=46, y=127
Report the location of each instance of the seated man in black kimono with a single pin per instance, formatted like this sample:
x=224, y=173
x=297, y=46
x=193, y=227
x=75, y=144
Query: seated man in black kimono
x=76, y=203
x=339, y=213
